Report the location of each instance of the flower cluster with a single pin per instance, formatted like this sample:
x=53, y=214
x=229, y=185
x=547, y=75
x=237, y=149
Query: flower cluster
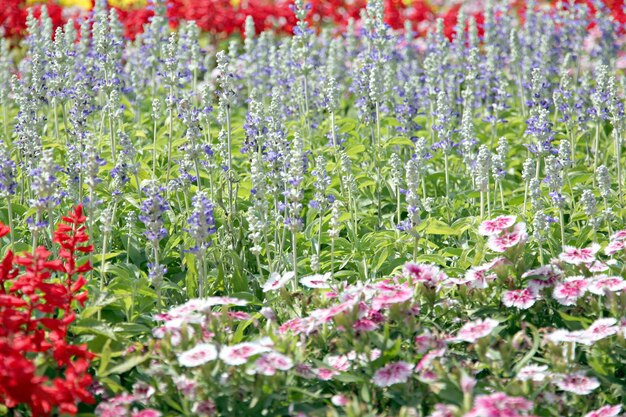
x=40, y=367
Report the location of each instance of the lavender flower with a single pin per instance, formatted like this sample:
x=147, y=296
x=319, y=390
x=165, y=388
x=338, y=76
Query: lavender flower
x=152, y=210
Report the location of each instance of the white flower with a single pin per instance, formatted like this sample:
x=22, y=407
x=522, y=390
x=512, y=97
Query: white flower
x=198, y=355
x=277, y=281
x=316, y=281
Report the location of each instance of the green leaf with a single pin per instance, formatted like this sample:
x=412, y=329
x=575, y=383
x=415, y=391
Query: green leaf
x=126, y=366
x=437, y=227
x=94, y=327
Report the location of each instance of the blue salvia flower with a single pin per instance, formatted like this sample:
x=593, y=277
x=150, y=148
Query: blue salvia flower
x=45, y=187
x=254, y=125
x=534, y=191
x=444, y=124
x=91, y=165
x=257, y=212
x=498, y=162
x=153, y=209
x=554, y=179
x=412, y=196
x=468, y=137
x=126, y=165
x=201, y=223
x=482, y=168
x=227, y=92
x=590, y=208
x=29, y=124
x=321, y=183
x=8, y=172
x=540, y=128
x=603, y=179
x=293, y=177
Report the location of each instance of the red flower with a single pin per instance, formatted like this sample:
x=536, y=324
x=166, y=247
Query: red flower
x=36, y=310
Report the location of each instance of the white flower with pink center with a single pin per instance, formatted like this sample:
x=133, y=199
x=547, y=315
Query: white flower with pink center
x=276, y=281
x=495, y=226
x=508, y=240
x=240, y=353
x=601, y=329
x=619, y=235
x=429, y=275
x=533, y=372
x=392, y=295
x=522, y=299
x=324, y=315
x=606, y=411
x=576, y=256
x=565, y=336
x=339, y=362
x=443, y=410
x=325, y=374
x=543, y=277
x=364, y=325
x=570, y=290
x=604, y=284
x=392, y=373
x=615, y=246
x=219, y=301
x=148, y=412
x=475, y=330
x=500, y=405
x=295, y=325
x=597, y=266
x=198, y=355
x=476, y=277
x=339, y=400
x=270, y=362
x=577, y=383
x=316, y=281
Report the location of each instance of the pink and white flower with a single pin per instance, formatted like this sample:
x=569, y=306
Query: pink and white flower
x=495, y=226
x=576, y=256
x=316, y=281
x=429, y=275
x=392, y=295
x=198, y=355
x=577, y=383
x=615, y=246
x=339, y=362
x=565, y=336
x=148, y=412
x=543, y=277
x=270, y=362
x=601, y=329
x=219, y=301
x=339, y=400
x=364, y=325
x=499, y=405
x=522, y=299
x=569, y=291
x=603, y=284
x=606, y=411
x=240, y=353
x=475, y=330
x=325, y=374
x=533, y=372
x=277, y=281
x=443, y=410
x=597, y=266
x=619, y=235
x=392, y=373
x=508, y=240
